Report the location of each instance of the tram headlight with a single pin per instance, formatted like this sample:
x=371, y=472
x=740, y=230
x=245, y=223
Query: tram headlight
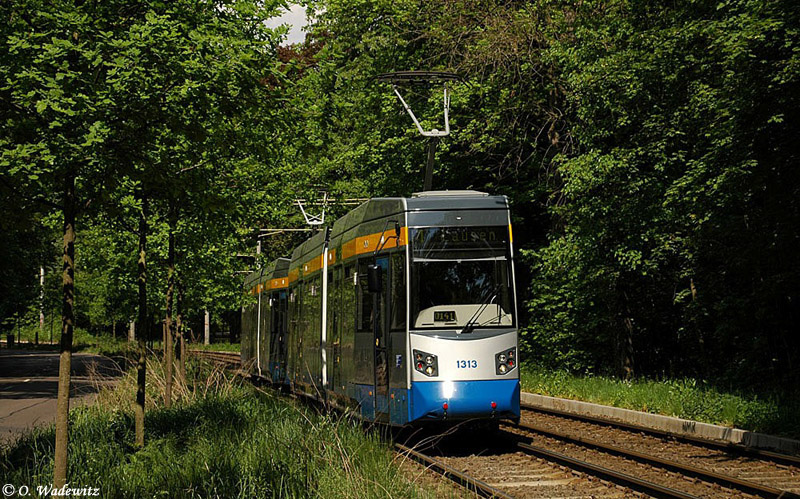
x=506, y=360
x=426, y=363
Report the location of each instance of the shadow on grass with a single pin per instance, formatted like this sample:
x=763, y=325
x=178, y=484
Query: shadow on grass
x=215, y=415
x=26, y=452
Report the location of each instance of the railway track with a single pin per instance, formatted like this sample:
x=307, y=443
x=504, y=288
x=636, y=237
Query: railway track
x=550, y=458
x=549, y=454
x=695, y=468
x=725, y=446
x=226, y=358
x=504, y=462
x=468, y=482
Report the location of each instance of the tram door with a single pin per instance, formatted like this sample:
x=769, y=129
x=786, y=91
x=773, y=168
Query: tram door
x=381, y=345
x=278, y=335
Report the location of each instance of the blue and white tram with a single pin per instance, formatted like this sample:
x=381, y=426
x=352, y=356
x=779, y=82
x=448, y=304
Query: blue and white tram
x=404, y=312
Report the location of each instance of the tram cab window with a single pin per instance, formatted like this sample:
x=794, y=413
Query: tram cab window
x=398, y=300
x=461, y=276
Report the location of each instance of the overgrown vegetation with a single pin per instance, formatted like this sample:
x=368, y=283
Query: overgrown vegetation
x=222, y=438
x=648, y=150
x=646, y=147
x=776, y=413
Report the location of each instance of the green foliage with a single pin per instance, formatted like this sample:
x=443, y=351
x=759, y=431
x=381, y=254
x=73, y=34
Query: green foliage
x=674, y=212
x=648, y=151
x=170, y=101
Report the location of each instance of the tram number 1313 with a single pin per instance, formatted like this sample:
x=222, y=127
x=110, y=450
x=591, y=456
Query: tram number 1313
x=466, y=364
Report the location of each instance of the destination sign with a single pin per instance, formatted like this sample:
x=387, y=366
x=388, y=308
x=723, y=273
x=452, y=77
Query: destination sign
x=461, y=237
x=444, y=316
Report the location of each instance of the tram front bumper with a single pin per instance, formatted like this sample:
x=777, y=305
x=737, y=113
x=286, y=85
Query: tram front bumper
x=439, y=400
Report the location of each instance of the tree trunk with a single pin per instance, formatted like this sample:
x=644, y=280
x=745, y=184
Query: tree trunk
x=627, y=352
x=67, y=325
x=179, y=328
x=142, y=326
x=169, y=329
x=627, y=346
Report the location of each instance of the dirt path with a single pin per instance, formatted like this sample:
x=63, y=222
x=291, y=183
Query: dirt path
x=29, y=383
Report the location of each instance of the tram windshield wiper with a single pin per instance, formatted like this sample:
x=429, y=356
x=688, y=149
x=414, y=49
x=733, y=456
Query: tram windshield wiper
x=473, y=321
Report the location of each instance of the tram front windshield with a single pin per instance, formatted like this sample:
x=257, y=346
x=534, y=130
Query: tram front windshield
x=460, y=278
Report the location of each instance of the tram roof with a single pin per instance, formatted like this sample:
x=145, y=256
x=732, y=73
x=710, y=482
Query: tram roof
x=379, y=208
x=274, y=269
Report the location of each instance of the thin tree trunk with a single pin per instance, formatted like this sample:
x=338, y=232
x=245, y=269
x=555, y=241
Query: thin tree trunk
x=627, y=347
x=67, y=324
x=142, y=327
x=627, y=365
x=169, y=329
x=179, y=328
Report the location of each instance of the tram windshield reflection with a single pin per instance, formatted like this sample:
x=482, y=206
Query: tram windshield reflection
x=460, y=276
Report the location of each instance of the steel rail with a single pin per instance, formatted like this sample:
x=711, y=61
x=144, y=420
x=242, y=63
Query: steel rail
x=727, y=446
x=473, y=484
x=617, y=477
x=217, y=356
x=688, y=470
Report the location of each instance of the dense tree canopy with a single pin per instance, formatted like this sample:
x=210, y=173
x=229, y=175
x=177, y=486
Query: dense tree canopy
x=649, y=151
x=646, y=149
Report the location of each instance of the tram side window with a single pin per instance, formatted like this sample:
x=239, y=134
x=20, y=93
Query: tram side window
x=398, y=281
x=274, y=310
x=298, y=311
x=293, y=308
x=334, y=285
x=310, y=313
x=364, y=317
x=349, y=309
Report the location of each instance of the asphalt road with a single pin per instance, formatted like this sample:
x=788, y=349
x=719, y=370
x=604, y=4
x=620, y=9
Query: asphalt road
x=29, y=384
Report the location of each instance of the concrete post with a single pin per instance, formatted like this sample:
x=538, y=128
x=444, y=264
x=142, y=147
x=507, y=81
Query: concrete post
x=41, y=304
x=207, y=329
x=132, y=332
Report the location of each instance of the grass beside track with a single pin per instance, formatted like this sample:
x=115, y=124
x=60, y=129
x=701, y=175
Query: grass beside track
x=222, y=438
x=777, y=414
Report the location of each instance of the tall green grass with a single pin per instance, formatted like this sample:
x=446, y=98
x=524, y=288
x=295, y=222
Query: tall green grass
x=222, y=438
x=777, y=414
